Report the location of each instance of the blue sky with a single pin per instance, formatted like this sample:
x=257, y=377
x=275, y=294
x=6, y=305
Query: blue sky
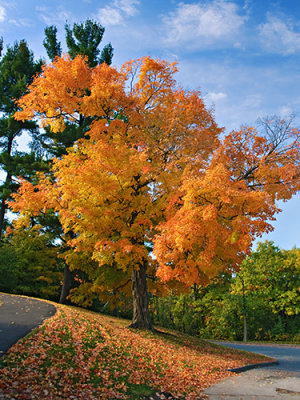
x=244, y=55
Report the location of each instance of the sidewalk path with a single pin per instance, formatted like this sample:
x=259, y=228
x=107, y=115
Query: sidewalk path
x=269, y=383
x=18, y=316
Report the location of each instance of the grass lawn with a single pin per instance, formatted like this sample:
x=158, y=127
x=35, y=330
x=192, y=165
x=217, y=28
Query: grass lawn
x=78, y=354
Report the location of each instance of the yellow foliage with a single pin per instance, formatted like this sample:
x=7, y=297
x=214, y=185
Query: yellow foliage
x=152, y=169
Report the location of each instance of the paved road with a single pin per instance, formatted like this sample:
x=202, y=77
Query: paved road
x=288, y=357
x=276, y=382
x=18, y=316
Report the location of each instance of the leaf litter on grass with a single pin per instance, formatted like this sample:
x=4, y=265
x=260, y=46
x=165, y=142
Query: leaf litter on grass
x=78, y=354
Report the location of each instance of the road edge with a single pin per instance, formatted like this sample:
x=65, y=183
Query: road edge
x=253, y=366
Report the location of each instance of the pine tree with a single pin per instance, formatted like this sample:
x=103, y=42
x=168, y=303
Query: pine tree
x=17, y=69
x=52, y=46
x=84, y=39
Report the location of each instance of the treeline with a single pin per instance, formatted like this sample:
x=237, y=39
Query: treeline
x=263, y=298
x=264, y=294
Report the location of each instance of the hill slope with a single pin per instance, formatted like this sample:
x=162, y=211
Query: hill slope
x=78, y=354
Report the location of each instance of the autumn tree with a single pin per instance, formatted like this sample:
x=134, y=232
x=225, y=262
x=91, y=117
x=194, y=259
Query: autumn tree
x=152, y=172
x=85, y=39
x=221, y=211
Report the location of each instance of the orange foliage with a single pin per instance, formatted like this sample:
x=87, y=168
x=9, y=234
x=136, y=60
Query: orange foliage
x=57, y=94
x=152, y=169
x=222, y=210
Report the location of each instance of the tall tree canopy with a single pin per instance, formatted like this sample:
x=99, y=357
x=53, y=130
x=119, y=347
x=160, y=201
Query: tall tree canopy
x=17, y=69
x=153, y=172
x=83, y=38
x=51, y=44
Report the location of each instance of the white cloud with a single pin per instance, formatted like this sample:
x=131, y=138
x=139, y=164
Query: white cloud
x=2, y=14
x=20, y=23
x=201, y=24
x=116, y=12
x=110, y=16
x=54, y=18
x=280, y=36
x=9, y=8
x=128, y=6
x=214, y=97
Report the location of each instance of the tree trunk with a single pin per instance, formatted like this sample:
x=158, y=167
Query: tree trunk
x=3, y=203
x=195, y=291
x=2, y=215
x=245, y=338
x=141, y=316
x=67, y=283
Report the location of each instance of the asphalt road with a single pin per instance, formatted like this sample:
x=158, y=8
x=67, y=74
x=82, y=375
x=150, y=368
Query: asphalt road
x=288, y=357
x=19, y=316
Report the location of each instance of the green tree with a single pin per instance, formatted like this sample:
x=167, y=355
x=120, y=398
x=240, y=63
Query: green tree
x=217, y=311
x=83, y=38
x=273, y=275
x=29, y=263
x=52, y=46
x=196, y=312
x=17, y=69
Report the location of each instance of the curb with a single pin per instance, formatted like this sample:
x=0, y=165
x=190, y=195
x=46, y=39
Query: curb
x=253, y=366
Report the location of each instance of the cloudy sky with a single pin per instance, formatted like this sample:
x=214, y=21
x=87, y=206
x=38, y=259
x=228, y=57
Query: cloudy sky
x=244, y=55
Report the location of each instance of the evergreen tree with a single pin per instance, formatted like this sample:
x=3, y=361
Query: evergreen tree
x=83, y=38
x=52, y=46
x=17, y=69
